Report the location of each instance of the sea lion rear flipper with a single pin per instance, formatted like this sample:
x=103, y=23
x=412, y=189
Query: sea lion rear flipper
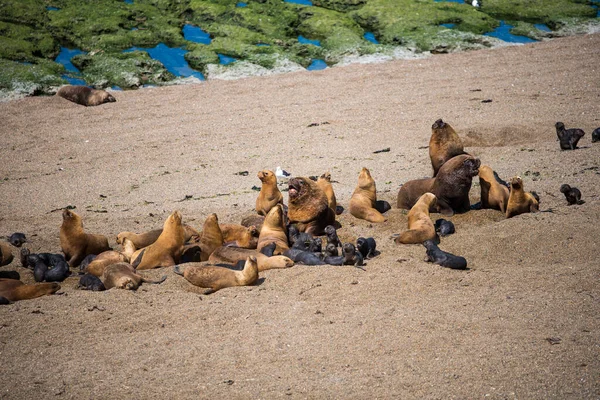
x=382, y=206
x=177, y=270
x=580, y=202
x=161, y=280
x=138, y=260
x=209, y=291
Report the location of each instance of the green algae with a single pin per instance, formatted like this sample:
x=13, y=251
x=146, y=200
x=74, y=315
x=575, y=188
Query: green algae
x=30, y=79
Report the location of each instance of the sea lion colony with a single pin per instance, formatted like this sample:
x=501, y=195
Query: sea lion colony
x=278, y=236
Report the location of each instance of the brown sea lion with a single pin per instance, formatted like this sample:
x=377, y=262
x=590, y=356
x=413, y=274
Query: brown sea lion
x=269, y=194
x=15, y=290
x=324, y=182
x=274, y=230
x=494, y=195
x=6, y=255
x=308, y=207
x=253, y=220
x=166, y=250
x=106, y=258
x=520, y=202
x=232, y=255
x=242, y=236
x=123, y=276
x=364, y=198
x=211, y=237
x=84, y=95
x=75, y=243
x=420, y=226
x=215, y=277
x=145, y=239
x=443, y=144
x=451, y=186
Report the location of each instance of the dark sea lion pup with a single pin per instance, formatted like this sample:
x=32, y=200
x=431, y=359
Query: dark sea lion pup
x=568, y=137
x=572, y=194
x=90, y=282
x=75, y=243
x=443, y=145
x=444, y=227
x=17, y=239
x=84, y=95
x=440, y=257
x=308, y=207
x=215, y=278
x=596, y=135
x=332, y=237
x=367, y=247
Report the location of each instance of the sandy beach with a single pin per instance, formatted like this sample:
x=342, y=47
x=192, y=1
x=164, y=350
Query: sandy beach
x=522, y=322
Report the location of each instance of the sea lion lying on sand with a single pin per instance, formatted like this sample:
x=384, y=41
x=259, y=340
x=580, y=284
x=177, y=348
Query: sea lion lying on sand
x=106, y=258
x=231, y=255
x=15, y=290
x=123, y=276
x=84, y=95
x=217, y=277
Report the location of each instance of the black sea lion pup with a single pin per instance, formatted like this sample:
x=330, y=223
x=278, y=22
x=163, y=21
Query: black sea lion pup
x=316, y=245
x=269, y=249
x=15, y=290
x=303, y=257
x=443, y=145
x=303, y=241
x=572, y=194
x=332, y=237
x=331, y=250
x=216, y=278
x=568, y=137
x=293, y=233
x=352, y=256
x=90, y=282
x=596, y=135
x=75, y=243
x=440, y=257
x=367, y=247
x=17, y=239
x=84, y=95
x=444, y=227
x=123, y=276
x=6, y=255
x=308, y=207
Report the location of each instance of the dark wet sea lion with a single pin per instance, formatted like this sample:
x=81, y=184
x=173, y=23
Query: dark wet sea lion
x=367, y=247
x=316, y=245
x=232, y=255
x=572, y=194
x=269, y=195
x=191, y=253
x=15, y=290
x=332, y=236
x=123, y=276
x=596, y=135
x=443, y=145
x=46, y=266
x=352, y=256
x=364, y=199
x=75, y=243
x=293, y=233
x=420, y=226
x=494, y=192
x=90, y=282
x=166, y=250
x=6, y=255
x=568, y=137
x=308, y=207
x=269, y=249
x=520, y=202
x=303, y=241
x=440, y=257
x=84, y=95
x=216, y=277
x=331, y=250
x=444, y=227
x=17, y=239
x=304, y=257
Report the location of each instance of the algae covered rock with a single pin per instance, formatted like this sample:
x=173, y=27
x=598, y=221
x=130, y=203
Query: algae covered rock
x=19, y=79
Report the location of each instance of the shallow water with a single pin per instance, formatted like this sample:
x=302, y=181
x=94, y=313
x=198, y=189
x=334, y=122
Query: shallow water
x=304, y=40
x=502, y=33
x=241, y=4
x=301, y=2
x=226, y=60
x=195, y=34
x=542, y=27
x=449, y=26
x=50, y=8
x=171, y=58
x=370, y=36
x=64, y=58
x=317, y=64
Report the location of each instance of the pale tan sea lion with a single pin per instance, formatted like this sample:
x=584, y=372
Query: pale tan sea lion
x=362, y=203
x=443, y=145
x=15, y=290
x=494, y=195
x=84, y=95
x=308, y=207
x=520, y=202
x=241, y=235
x=166, y=250
x=6, y=255
x=106, y=258
x=232, y=255
x=141, y=240
x=274, y=230
x=324, y=182
x=75, y=243
x=269, y=195
x=211, y=236
x=123, y=276
x=216, y=277
x=420, y=226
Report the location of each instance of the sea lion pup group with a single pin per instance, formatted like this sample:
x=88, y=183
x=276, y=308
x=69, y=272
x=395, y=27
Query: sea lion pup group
x=494, y=194
x=520, y=202
x=269, y=195
x=15, y=290
x=123, y=276
x=420, y=226
x=363, y=203
x=166, y=250
x=443, y=145
x=45, y=266
x=216, y=277
x=568, y=137
x=274, y=230
x=308, y=206
x=75, y=243
x=84, y=95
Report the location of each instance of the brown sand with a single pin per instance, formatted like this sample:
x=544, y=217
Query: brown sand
x=402, y=329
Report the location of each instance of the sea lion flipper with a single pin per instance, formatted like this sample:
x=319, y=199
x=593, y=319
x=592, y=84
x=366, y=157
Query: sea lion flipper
x=138, y=259
x=177, y=270
x=209, y=291
x=161, y=280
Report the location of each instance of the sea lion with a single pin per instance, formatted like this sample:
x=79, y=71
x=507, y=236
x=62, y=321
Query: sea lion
x=6, y=255
x=568, y=137
x=367, y=247
x=211, y=236
x=106, y=258
x=451, y=186
x=253, y=220
x=269, y=249
x=444, y=227
x=420, y=226
x=75, y=243
x=145, y=239
x=324, y=182
x=49, y=267
x=15, y=290
x=364, y=198
x=443, y=145
x=304, y=257
x=332, y=237
x=90, y=282
x=494, y=194
x=274, y=229
x=240, y=235
x=572, y=194
x=352, y=256
x=308, y=207
x=17, y=239
x=216, y=278
x=596, y=135
x=331, y=250
x=232, y=255
x=520, y=202
x=269, y=194
x=84, y=95
x=191, y=253
x=166, y=250
x=440, y=257
x=123, y=276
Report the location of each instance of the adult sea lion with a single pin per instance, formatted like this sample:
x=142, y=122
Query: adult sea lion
x=84, y=95
x=6, y=255
x=240, y=235
x=274, y=230
x=216, y=277
x=420, y=226
x=519, y=201
x=364, y=199
x=269, y=194
x=141, y=240
x=324, y=182
x=123, y=276
x=494, y=194
x=75, y=243
x=443, y=144
x=166, y=250
x=308, y=207
x=15, y=290
x=232, y=255
x=211, y=236
x=106, y=258
x=572, y=194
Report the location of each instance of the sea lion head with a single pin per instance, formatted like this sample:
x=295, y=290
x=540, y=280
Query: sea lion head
x=471, y=166
x=486, y=172
x=564, y=188
x=429, y=199
x=266, y=176
x=299, y=188
x=439, y=124
x=365, y=181
x=516, y=183
x=71, y=218
x=559, y=126
x=174, y=219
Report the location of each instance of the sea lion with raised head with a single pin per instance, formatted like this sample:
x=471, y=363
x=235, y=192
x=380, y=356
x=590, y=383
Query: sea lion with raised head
x=123, y=276
x=84, y=95
x=443, y=145
x=274, y=230
x=308, y=207
x=141, y=240
x=568, y=137
x=211, y=236
x=75, y=243
x=520, y=202
x=367, y=247
x=106, y=258
x=215, y=277
x=440, y=257
x=572, y=194
x=364, y=199
x=166, y=250
x=15, y=290
x=332, y=237
x=324, y=182
x=232, y=255
x=240, y=235
x=269, y=195
x=494, y=194
x=420, y=226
